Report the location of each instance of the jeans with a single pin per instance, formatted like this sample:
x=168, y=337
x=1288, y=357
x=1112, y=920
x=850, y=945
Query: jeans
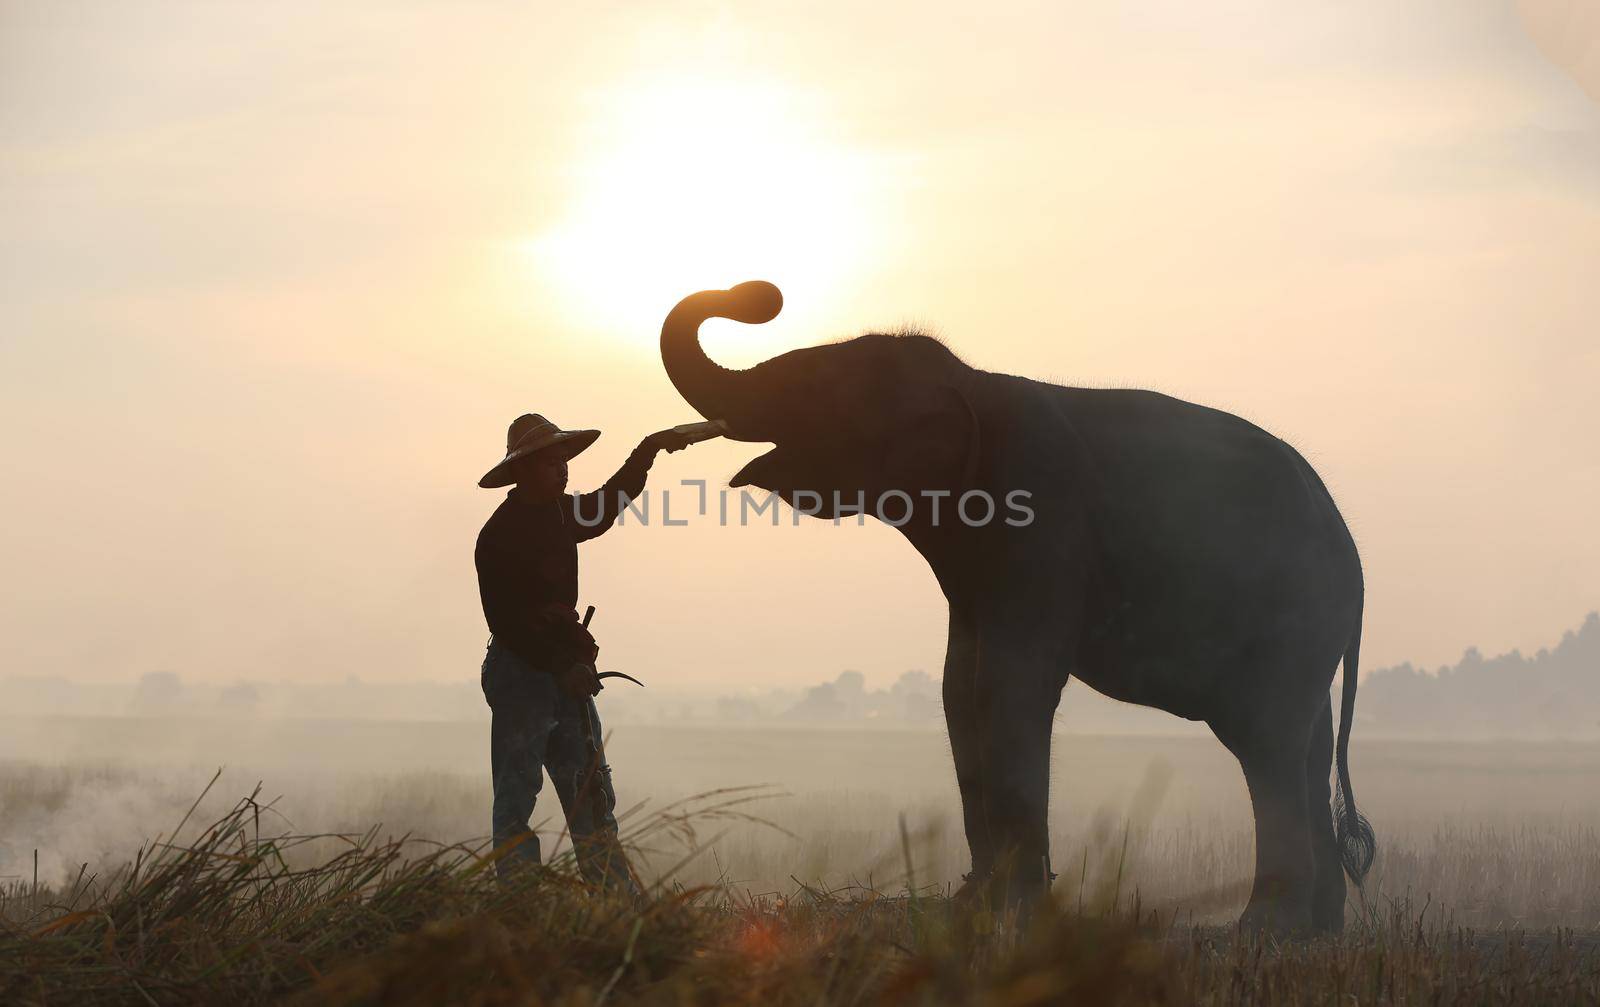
x=536, y=727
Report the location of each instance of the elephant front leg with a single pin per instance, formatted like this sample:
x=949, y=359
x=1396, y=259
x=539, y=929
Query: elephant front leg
x=960, y=715
x=1000, y=706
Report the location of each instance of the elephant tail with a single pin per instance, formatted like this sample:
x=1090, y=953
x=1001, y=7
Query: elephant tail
x=1357, y=844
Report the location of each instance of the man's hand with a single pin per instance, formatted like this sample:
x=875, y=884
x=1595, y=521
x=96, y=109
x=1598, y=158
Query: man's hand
x=668, y=440
x=579, y=681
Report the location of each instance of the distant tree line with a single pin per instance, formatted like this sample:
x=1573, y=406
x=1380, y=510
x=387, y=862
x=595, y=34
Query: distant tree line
x=913, y=698
x=1554, y=693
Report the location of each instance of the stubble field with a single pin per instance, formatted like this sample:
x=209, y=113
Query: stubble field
x=1486, y=888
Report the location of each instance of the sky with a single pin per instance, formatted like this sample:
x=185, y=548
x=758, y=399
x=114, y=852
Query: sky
x=274, y=279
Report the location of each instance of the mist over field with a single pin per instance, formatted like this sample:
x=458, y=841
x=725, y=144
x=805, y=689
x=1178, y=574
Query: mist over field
x=1496, y=833
x=1496, y=826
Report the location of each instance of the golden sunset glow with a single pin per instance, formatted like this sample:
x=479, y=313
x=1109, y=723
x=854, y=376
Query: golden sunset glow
x=693, y=183
x=298, y=265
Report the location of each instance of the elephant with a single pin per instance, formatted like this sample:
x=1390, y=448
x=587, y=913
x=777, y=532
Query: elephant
x=1174, y=556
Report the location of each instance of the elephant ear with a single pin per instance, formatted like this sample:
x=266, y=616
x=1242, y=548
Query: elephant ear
x=938, y=447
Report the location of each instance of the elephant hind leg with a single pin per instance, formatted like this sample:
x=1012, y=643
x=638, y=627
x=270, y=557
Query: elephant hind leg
x=1275, y=771
x=1328, y=888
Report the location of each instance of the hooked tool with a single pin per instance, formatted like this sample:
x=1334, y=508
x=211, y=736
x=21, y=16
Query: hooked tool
x=588, y=614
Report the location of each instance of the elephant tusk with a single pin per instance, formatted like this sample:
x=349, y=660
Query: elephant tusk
x=618, y=674
x=702, y=431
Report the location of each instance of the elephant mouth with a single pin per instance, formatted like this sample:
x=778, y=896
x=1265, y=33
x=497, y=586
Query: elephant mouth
x=786, y=473
x=759, y=471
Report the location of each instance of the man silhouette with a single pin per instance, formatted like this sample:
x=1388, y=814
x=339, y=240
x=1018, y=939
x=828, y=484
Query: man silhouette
x=539, y=675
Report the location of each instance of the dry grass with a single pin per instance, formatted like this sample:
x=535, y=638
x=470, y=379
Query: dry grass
x=246, y=912
x=1487, y=887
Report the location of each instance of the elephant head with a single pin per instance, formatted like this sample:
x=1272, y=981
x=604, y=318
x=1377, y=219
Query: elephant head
x=849, y=420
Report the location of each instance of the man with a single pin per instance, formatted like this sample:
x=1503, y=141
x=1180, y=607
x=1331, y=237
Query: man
x=539, y=674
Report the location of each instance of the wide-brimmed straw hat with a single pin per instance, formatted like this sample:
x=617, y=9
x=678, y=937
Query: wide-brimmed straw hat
x=529, y=433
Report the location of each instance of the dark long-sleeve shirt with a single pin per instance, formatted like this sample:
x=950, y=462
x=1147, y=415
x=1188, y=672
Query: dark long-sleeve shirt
x=527, y=559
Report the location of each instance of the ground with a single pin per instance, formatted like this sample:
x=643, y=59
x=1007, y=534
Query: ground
x=1487, y=887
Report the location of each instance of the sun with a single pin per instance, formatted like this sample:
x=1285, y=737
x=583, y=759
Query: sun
x=691, y=184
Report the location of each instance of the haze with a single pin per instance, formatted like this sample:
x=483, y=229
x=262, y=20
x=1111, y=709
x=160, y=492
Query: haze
x=274, y=279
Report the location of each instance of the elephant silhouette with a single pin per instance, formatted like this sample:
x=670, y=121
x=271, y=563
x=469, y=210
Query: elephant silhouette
x=1174, y=555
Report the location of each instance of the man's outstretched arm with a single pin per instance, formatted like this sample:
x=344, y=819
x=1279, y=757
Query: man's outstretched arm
x=596, y=511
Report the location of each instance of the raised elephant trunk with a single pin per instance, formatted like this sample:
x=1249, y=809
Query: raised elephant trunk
x=715, y=391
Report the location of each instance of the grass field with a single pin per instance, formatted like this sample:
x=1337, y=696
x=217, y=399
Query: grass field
x=1486, y=890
